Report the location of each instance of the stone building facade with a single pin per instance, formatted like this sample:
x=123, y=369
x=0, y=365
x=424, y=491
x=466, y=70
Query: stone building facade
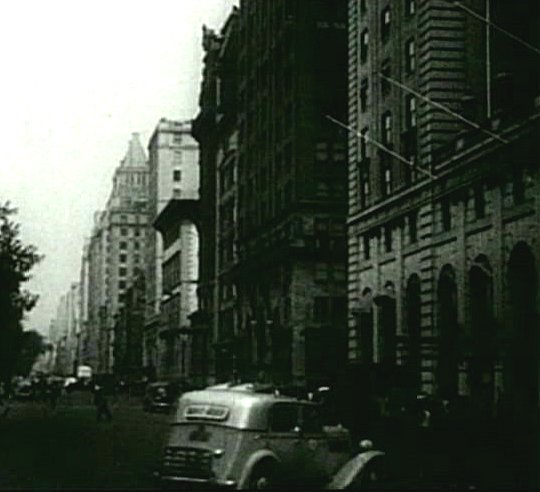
x=115, y=251
x=443, y=262
x=173, y=173
x=276, y=173
x=179, y=358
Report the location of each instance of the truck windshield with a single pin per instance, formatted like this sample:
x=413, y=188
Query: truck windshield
x=206, y=412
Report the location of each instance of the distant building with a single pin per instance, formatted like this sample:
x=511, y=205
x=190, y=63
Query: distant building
x=180, y=266
x=115, y=251
x=173, y=173
x=129, y=326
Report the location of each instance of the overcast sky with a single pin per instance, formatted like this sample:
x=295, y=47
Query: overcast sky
x=77, y=79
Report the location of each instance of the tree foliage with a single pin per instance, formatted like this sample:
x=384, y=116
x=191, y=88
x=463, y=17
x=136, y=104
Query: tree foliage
x=31, y=346
x=16, y=262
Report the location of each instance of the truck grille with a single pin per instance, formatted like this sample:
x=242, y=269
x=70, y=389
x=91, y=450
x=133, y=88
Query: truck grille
x=187, y=462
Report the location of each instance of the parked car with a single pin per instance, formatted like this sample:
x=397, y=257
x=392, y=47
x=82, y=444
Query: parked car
x=160, y=396
x=240, y=438
x=23, y=390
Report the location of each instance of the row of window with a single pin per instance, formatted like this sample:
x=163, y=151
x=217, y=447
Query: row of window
x=386, y=15
x=410, y=54
x=386, y=120
x=124, y=245
x=387, y=235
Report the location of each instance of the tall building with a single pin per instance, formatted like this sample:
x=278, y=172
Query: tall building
x=128, y=329
x=214, y=126
x=65, y=331
x=173, y=173
x=443, y=264
x=180, y=266
x=275, y=175
x=115, y=251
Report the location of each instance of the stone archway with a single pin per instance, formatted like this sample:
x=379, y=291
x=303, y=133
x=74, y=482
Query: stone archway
x=483, y=334
x=523, y=356
x=413, y=317
x=448, y=333
x=521, y=372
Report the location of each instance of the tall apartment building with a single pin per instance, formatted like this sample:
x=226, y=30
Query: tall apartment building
x=276, y=291
x=173, y=174
x=65, y=331
x=443, y=264
x=216, y=130
x=179, y=358
x=115, y=251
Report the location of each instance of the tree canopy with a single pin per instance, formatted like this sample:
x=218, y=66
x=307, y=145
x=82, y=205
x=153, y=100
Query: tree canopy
x=16, y=262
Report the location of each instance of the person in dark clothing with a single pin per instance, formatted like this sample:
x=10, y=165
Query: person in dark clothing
x=102, y=405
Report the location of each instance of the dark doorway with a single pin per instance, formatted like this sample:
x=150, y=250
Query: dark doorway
x=522, y=379
x=387, y=325
x=365, y=327
x=521, y=386
x=448, y=331
x=483, y=334
x=413, y=317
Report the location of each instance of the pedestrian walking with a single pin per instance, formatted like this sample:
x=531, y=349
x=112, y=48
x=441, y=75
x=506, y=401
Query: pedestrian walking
x=54, y=394
x=102, y=405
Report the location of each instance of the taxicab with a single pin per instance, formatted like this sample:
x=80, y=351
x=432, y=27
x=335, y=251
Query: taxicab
x=239, y=438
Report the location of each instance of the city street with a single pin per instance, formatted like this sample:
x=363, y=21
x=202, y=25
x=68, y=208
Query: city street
x=68, y=448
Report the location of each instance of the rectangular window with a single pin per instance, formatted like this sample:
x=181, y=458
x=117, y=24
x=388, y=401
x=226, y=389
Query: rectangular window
x=123, y=258
x=136, y=245
x=446, y=214
x=363, y=6
x=410, y=111
x=410, y=56
x=387, y=128
x=366, y=243
x=364, y=144
x=122, y=271
x=387, y=185
x=479, y=202
x=364, y=45
x=123, y=231
x=364, y=94
x=388, y=238
x=123, y=245
x=413, y=227
x=385, y=72
x=518, y=186
x=321, y=151
x=385, y=23
x=176, y=175
x=122, y=284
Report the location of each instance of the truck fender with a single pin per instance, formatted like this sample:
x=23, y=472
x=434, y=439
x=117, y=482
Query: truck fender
x=350, y=470
x=254, y=459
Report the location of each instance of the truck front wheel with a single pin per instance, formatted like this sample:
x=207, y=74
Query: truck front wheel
x=263, y=476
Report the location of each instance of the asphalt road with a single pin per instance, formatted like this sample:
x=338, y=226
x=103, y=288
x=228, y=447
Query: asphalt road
x=67, y=448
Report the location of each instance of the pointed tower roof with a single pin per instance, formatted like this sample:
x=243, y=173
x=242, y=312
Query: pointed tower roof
x=135, y=155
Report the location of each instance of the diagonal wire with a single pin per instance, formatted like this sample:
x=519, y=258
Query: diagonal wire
x=381, y=146
x=443, y=108
x=495, y=26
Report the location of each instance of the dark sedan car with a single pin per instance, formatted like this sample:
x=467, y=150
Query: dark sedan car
x=160, y=396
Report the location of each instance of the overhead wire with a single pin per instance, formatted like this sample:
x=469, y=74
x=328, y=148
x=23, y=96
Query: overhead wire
x=442, y=107
x=495, y=26
x=381, y=146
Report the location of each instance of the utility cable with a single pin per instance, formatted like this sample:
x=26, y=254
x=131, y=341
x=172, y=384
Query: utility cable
x=381, y=146
x=443, y=108
x=495, y=26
